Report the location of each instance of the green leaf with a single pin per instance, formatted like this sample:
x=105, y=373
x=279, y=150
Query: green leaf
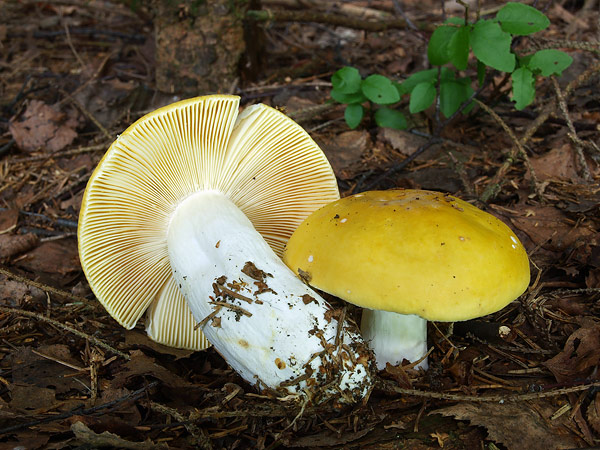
x=421, y=97
x=491, y=45
x=453, y=94
x=353, y=115
x=455, y=20
x=458, y=48
x=437, y=50
x=524, y=60
x=380, y=90
x=400, y=88
x=522, y=87
x=447, y=74
x=346, y=80
x=357, y=97
x=390, y=118
x=419, y=77
x=520, y=19
x=480, y=72
x=550, y=62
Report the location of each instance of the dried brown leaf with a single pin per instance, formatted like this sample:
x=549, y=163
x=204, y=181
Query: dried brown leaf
x=106, y=439
x=8, y=220
x=140, y=364
x=53, y=257
x=593, y=414
x=557, y=164
x=42, y=128
x=13, y=244
x=326, y=439
x=579, y=356
x=30, y=398
x=15, y=293
x=515, y=425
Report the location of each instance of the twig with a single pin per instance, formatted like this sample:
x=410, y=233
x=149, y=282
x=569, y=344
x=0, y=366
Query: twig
x=562, y=104
x=56, y=323
x=46, y=288
x=500, y=398
x=551, y=107
x=86, y=113
x=232, y=307
x=72, y=47
x=207, y=318
x=231, y=293
x=494, y=185
x=543, y=43
x=405, y=162
x=76, y=151
x=332, y=19
x=81, y=412
x=202, y=441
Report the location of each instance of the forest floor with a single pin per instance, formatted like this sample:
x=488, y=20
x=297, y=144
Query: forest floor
x=74, y=74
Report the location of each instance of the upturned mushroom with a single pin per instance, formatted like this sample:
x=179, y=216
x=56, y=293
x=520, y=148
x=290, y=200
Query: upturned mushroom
x=408, y=256
x=185, y=217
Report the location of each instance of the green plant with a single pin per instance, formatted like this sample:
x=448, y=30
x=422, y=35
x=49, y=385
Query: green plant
x=489, y=40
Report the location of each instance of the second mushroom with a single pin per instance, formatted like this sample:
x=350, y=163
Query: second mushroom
x=407, y=256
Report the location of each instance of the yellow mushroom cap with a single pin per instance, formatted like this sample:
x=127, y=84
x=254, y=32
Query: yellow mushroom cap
x=411, y=252
x=261, y=160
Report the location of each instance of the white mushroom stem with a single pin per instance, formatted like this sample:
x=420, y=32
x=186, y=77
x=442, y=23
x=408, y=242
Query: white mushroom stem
x=270, y=327
x=394, y=337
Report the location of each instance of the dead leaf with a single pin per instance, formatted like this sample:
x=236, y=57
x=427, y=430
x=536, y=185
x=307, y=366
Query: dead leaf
x=30, y=398
x=558, y=163
x=25, y=439
x=579, y=355
x=345, y=149
x=137, y=338
x=42, y=128
x=8, y=220
x=326, y=439
x=515, y=425
x=593, y=413
x=29, y=368
x=53, y=257
x=106, y=439
x=548, y=227
x=592, y=280
x=404, y=142
x=13, y=244
x=15, y=293
x=140, y=364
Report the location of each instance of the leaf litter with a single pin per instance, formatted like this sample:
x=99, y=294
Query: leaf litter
x=71, y=80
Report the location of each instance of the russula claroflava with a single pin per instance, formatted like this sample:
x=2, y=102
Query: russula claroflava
x=187, y=211
x=408, y=256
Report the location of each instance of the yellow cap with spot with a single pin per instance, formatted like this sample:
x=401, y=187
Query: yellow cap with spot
x=411, y=252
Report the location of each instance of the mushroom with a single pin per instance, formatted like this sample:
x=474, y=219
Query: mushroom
x=185, y=216
x=408, y=256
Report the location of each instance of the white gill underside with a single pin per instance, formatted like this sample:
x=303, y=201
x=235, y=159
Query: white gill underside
x=266, y=323
x=394, y=337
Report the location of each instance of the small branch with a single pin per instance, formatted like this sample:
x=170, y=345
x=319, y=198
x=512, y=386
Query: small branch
x=46, y=288
x=233, y=308
x=562, y=104
x=202, y=441
x=81, y=412
x=332, y=19
x=62, y=326
x=86, y=113
x=494, y=186
x=543, y=43
x=387, y=386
